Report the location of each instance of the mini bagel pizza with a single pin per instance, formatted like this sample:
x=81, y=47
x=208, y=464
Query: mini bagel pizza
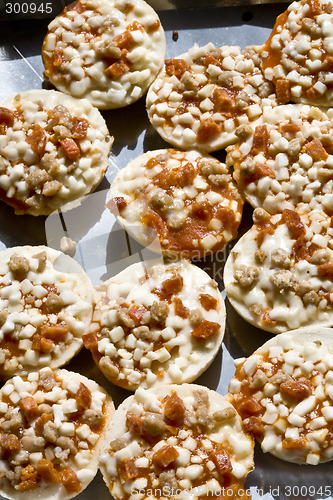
x=173, y=441
x=156, y=325
x=279, y=275
x=201, y=97
x=52, y=426
x=284, y=394
x=285, y=159
x=46, y=302
x=297, y=57
x=54, y=149
x=188, y=200
x=107, y=51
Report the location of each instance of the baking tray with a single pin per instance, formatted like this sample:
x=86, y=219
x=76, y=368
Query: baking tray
x=104, y=249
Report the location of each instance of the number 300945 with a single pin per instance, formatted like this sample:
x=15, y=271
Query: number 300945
x=28, y=8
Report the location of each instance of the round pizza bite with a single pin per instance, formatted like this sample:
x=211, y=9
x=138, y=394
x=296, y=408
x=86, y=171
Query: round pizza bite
x=279, y=275
x=156, y=325
x=284, y=394
x=108, y=51
x=202, y=96
x=53, y=149
x=177, y=442
x=297, y=57
x=285, y=159
x=52, y=426
x=46, y=302
x=189, y=201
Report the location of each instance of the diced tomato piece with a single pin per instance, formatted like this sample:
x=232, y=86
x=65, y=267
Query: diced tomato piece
x=250, y=407
x=254, y=426
x=177, y=177
x=47, y=471
x=174, y=408
x=267, y=320
x=170, y=287
x=83, y=397
x=37, y=140
x=80, y=128
x=283, y=91
x=316, y=150
x=290, y=128
x=221, y=459
x=294, y=444
x=6, y=116
x=176, y=67
x=40, y=423
x=154, y=26
x=127, y=469
x=116, y=70
x=260, y=140
x=57, y=333
x=90, y=340
x=134, y=423
x=41, y=343
x=136, y=312
x=294, y=223
x=29, y=407
x=57, y=58
x=124, y=40
x=208, y=129
x=296, y=389
x=205, y=330
x=180, y=310
x=72, y=150
x=223, y=101
x=325, y=271
x=207, y=301
x=116, y=205
x=164, y=456
x=70, y=481
x=10, y=444
x=30, y=478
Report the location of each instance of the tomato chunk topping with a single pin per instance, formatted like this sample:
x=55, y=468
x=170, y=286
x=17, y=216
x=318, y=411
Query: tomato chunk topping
x=29, y=407
x=83, y=397
x=296, y=389
x=127, y=469
x=205, y=330
x=72, y=150
x=164, y=456
x=174, y=408
x=70, y=481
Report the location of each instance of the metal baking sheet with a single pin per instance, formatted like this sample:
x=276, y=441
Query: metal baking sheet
x=102, y=246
